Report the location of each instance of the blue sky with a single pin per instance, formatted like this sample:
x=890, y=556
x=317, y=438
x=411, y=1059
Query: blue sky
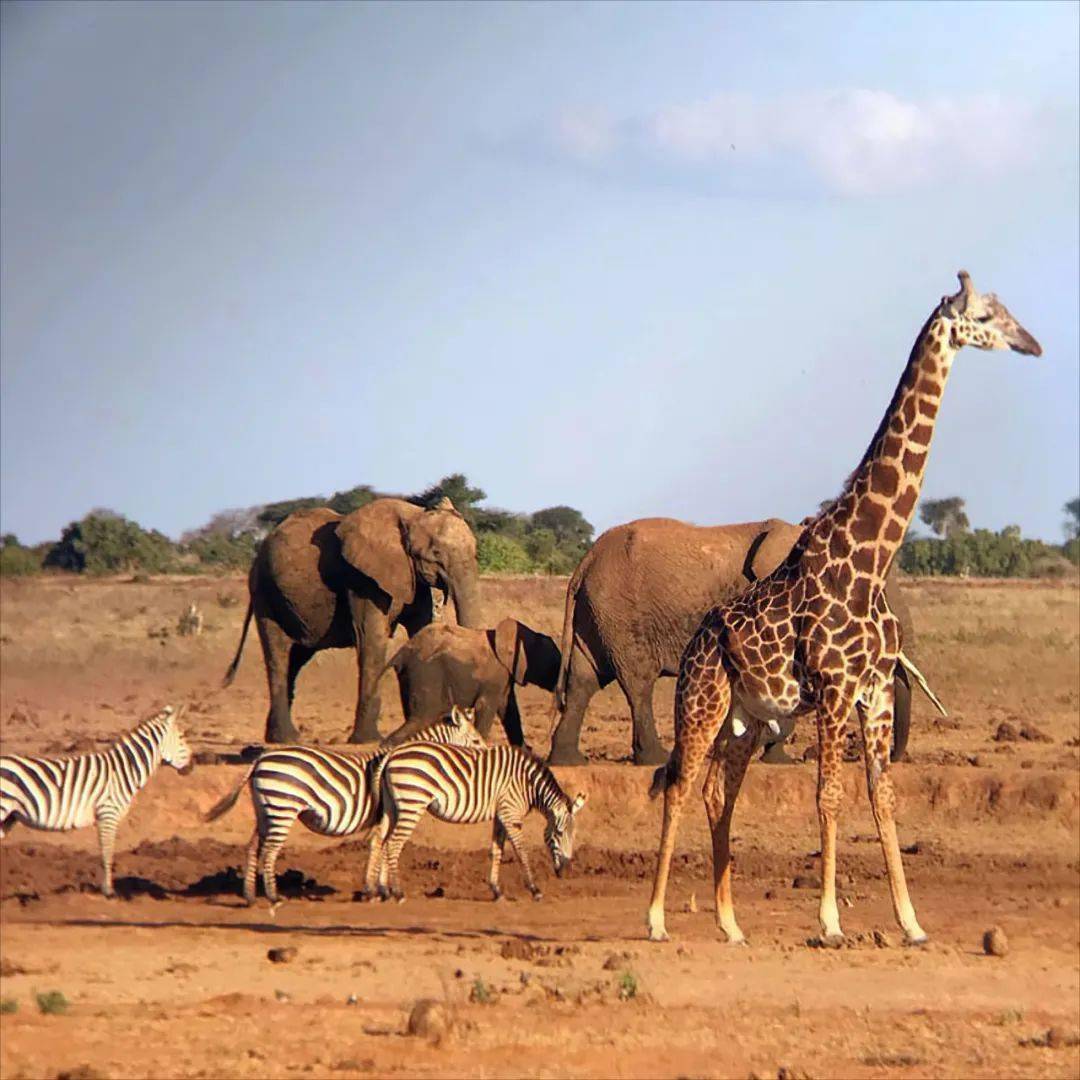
x=642, y=259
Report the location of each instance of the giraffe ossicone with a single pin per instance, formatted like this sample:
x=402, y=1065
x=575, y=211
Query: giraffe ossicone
x=817, y=636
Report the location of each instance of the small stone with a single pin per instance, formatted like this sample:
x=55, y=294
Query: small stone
x=995, y=943
x=352, y=999
x=770, y=894
x=883, y=940
x=1031, y=733
x=280, y=995
x=429, y=1020
x=1006, y=732
x=283, y=955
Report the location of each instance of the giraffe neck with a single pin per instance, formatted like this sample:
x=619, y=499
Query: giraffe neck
x=867, y=523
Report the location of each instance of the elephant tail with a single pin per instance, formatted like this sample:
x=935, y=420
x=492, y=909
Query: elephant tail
x=567, y=644
x=223, y=806
x=664, y=777
x=230, y=674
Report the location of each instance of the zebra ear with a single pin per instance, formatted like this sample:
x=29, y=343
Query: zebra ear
x=578, y=803
x=456, y=717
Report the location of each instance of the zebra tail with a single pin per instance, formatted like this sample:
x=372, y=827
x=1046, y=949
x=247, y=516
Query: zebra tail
x=664, y=777
x=223, y=806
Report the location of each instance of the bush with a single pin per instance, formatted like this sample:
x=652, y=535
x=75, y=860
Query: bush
x=8, y=1006
x=52, y=1003
x=225, y=552
x=104, y=542
x=497, y=554
x=16, y=560
x=982, y=553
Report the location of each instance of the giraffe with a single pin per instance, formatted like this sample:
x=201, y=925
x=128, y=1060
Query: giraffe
x=816, y=636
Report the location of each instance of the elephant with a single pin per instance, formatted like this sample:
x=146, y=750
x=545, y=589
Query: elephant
x=638, y=596
x=445, y=665
x=324, y=581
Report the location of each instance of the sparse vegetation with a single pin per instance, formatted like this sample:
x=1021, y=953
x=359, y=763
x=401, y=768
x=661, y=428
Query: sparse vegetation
x=628, y=986
x=481, y=993
x=52, y=1003
x=8, y=1006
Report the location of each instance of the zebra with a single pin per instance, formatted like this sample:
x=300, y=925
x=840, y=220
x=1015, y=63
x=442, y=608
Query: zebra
x=74, y=792
x=499, y=784
x=332, y=794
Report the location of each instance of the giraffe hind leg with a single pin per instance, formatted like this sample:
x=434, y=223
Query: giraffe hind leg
x=720, y=809
x=832, y=713
x=698, y=719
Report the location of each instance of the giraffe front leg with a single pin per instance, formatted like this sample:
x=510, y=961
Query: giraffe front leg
x=721, y=808
x=702, y=700
x=877, y=723
x=107, y=821
x=832, y=714
x=498, y=843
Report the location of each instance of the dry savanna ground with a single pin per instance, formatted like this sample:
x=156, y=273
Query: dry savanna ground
x=173, y=978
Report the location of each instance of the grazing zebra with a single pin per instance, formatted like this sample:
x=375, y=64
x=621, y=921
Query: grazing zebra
x=73, y=792
x=332, y=794
x=500, y=784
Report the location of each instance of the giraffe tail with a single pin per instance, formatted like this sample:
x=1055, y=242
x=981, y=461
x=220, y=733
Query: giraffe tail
x=664, y=777
x=920, y=679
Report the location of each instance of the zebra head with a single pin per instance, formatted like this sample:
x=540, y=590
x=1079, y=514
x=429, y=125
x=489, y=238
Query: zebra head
x=559, y=832
x=463, y=732
x=175, y=750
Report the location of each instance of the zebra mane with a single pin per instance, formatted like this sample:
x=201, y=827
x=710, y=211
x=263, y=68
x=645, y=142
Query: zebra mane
x=151, y=730
x=547, y=786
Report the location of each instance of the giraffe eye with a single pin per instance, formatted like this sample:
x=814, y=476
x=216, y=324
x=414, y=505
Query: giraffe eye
x=984, y=318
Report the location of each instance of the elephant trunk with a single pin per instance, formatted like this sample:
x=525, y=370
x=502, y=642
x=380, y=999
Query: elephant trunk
x=465, y=592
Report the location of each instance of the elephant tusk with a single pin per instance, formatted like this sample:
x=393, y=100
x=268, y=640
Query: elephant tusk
x=918, y=676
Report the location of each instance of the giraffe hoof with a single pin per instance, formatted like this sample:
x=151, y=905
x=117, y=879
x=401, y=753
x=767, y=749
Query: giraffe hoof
x=737, y=942
x=917, y=942
x=828, y=941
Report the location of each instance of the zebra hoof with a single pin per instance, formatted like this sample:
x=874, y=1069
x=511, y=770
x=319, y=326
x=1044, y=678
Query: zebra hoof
x=496, y=895
x=109, y=894
x=537, y=894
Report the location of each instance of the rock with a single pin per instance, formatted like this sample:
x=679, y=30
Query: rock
x=282, y=956
x=995, y=943
x=806, y=881
x=1031, y=733
x=616, y=961
x=1006, y=732
x=429, y=1019
x=280, y=995
x=883, y=940
x=520, y=949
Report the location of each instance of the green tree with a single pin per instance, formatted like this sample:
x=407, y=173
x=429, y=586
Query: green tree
x=499, y=554
x=573, y=534
x=945, y=516
x=1072, y=519
x=16, y=560
x=106, y=542
x=345, y=502
x=454, y=487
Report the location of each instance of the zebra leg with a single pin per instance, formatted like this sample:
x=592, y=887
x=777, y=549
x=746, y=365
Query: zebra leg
x=251, y=865
x=273, y=842
x=373, y=874
x=107, y=820
x=498, y=842
x=400, y=832
x=517, y=842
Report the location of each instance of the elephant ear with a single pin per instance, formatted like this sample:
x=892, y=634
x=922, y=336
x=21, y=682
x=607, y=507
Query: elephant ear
x=509, y=651
x=770, y=548
x=373, y=542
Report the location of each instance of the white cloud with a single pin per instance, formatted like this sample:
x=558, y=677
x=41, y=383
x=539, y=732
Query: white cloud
x=853, y=142
x=585, y=134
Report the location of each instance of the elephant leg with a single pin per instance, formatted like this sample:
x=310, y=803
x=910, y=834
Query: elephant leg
x=901, y=714
x=581, y=683
x=277, y=649
x=420, y=613
x=511, y=721
x=647, y=747
x=372, y=633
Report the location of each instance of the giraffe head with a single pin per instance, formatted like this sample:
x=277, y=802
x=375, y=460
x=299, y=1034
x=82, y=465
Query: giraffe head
x=982, y=320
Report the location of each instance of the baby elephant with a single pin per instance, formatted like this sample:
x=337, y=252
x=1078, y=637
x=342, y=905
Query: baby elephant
x=445, y=665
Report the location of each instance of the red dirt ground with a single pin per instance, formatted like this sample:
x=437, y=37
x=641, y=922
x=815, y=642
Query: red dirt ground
x=173, y=978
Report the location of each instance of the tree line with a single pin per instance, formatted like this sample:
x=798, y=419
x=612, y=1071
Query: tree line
x=548, y=541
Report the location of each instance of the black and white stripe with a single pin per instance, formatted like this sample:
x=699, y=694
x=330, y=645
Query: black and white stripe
x=332, y=794
x=500, y=784
x=74, y=792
